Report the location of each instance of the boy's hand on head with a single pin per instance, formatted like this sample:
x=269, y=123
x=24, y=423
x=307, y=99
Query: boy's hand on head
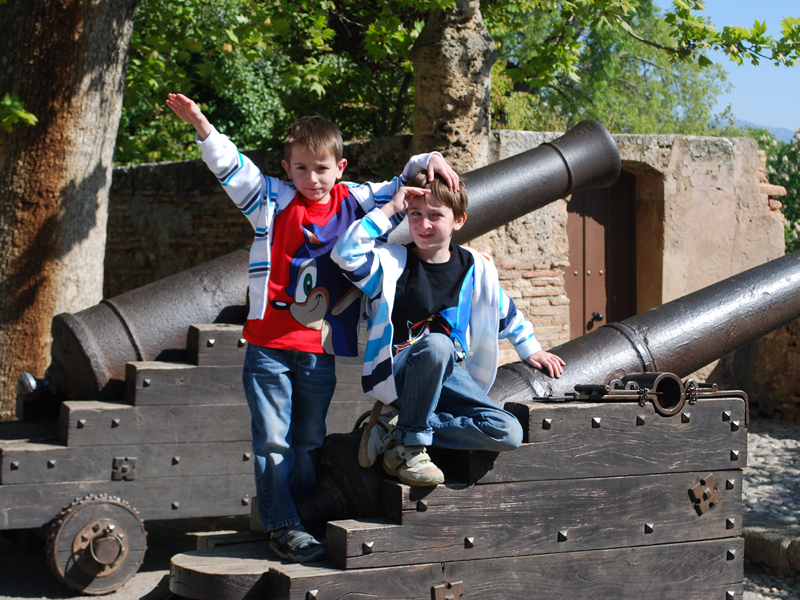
x=554, y=365
x=188, y=111
x=439, y=165
x=399, y=201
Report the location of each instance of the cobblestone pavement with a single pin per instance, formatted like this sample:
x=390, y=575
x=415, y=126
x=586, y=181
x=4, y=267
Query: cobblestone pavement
x=771, y=493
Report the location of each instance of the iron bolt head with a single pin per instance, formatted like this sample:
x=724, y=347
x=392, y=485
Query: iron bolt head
x=730, y=523
x=81, y=423
x=367, y=547
x=14, y=465
x=563, y=535
x=547, y=423
x=734, y=455
x=649, y=528
x=686, y=417
x=469, y=542
x=210, y=343
x=422, y=505
x=312, y=595
x=146, y=383
x=735, y=425
x=641, y=419
x=176, y=505
x=730, y=484
x=596, y=422
x=242, y=342
x=726, y=415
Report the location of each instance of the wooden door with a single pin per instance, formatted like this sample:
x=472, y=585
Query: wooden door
x=600, y=282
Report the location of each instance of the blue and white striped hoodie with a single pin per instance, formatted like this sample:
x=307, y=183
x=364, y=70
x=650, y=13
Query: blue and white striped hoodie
x=375, y=267
x=262, y=198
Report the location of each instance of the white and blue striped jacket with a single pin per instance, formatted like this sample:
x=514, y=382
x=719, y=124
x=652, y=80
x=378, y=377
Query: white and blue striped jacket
x=262, y=198
x=375, y=268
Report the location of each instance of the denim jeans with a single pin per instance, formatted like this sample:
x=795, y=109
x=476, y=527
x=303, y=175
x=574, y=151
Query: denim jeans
x=288, y=393
x=441, y=405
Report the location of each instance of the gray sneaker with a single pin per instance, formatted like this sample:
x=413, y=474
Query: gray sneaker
x=295, y=544
x=378, y=434
x=412, y=465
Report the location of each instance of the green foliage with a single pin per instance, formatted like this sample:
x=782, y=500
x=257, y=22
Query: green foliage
x=12, y=111
x=216, y=51
x=255, y=65
x=783, y=168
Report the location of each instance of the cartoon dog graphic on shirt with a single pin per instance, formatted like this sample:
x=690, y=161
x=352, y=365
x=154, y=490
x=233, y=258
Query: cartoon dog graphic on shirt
x=308, y=287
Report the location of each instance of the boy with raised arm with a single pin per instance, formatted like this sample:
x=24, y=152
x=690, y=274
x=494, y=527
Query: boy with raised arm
x=436, y=311
x=302, y=311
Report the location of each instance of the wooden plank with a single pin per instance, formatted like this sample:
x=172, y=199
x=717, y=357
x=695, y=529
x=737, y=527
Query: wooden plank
x=215, y=344
x=459, y=522
x=93, y=423
x=24, y=462
x=152, y=382
x=33, y=505
x=573, y=448
x=702, y=570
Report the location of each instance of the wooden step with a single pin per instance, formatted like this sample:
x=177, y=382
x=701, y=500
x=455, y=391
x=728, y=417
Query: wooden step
x=704, y=570
x=453, y=522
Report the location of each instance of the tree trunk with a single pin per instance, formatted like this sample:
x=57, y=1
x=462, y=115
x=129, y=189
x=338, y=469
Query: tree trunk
x=452, y=60
x=66, y=61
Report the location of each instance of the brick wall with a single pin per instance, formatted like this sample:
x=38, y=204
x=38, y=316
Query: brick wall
x=538, y=291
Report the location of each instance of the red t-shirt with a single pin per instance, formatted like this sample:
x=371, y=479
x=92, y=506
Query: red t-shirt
x=311, y=306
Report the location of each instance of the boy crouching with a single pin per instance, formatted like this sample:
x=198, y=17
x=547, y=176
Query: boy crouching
x=435, y=314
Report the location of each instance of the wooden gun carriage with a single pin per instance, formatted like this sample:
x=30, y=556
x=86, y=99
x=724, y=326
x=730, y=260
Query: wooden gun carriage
x=137, y=419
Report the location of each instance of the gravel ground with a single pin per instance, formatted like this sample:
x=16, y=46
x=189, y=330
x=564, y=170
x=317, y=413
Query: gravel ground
x=771, y=493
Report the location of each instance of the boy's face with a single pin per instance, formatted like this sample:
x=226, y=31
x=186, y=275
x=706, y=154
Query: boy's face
x=432, y=223
x=313, y=173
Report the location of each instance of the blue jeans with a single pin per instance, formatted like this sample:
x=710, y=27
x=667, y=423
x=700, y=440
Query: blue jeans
x=288, y=393
x=441, y=405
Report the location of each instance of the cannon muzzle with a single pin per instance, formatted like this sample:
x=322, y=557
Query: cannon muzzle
x=90, y=348
x=678, y=337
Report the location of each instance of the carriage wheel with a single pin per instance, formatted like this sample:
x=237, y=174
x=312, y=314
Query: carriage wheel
x=96, y=544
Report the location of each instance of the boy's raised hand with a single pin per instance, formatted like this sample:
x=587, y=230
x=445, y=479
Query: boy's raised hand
x=551, y=363
x=438, y=164
x=399, y=201
x=188, y=111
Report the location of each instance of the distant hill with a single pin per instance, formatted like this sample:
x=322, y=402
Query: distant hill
x=782, y=134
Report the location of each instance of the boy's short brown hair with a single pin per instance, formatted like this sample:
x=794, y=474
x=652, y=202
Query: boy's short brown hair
x=457, y=201
x=317, y=134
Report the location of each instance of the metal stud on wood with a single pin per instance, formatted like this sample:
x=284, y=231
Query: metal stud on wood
x=563, y=535
x=422, y=505
x=641, y=419
x=734, y=455
x=726, y=415
x=367, y=547
x=81, y=423
x=730, y=523
x=210, y=343
x=731, y=554
x=312, y=595
x=51, y=463
x=547, y=423
x=114, y=422
x=735, y=425
x=469, y=542
x=596, y=422
x=686, y=417
x=730, y=484
x=648, y=528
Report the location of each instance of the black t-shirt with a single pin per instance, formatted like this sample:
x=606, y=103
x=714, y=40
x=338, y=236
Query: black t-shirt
x=425, y=291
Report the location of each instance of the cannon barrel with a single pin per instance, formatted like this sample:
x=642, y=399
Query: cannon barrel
x=677, y=337
x=586, y=157
x=91, y=347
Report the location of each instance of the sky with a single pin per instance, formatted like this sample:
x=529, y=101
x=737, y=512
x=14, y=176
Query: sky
x=764, y=95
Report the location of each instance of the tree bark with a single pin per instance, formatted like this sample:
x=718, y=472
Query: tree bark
x=66, y=60
x=453, y=59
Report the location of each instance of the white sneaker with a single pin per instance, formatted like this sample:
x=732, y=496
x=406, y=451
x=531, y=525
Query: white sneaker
x=412, y=465
x=378, y=434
